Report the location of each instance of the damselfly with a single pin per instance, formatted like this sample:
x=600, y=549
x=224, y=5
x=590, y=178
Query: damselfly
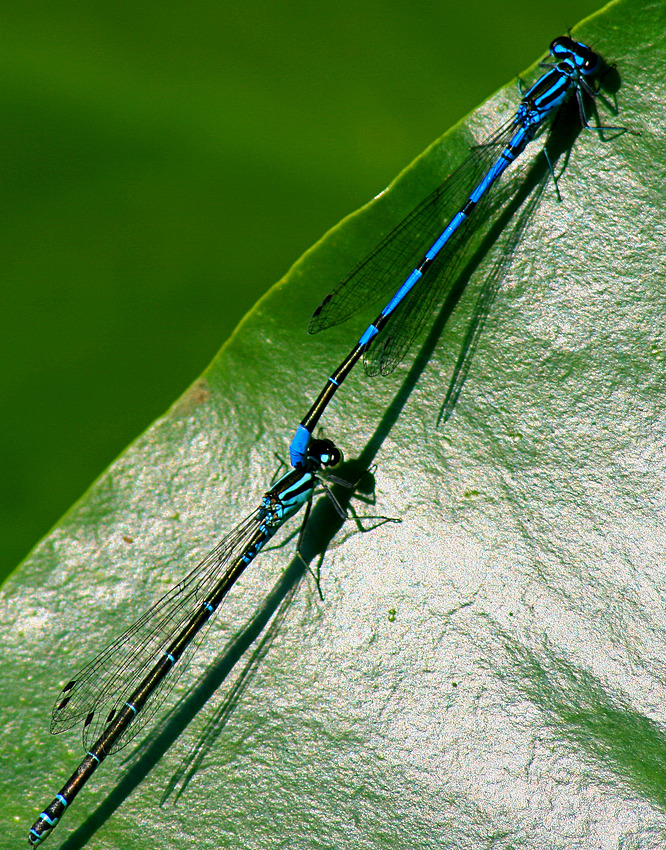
x=425, y=266
x=122, y=688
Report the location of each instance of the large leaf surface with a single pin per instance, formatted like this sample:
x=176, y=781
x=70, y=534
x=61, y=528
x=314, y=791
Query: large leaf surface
x=486, y=673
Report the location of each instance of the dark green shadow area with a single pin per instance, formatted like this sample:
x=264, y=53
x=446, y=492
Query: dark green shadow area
x=588, y=717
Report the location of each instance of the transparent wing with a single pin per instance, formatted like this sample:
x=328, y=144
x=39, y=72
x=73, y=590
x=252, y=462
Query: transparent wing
x=96, y=694
x=383, y=270
x=432, y=290
x=403, y=327
x=485, y=300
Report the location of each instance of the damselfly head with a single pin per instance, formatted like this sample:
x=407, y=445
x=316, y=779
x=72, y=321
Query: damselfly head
x=582, y=57
x=324, y=453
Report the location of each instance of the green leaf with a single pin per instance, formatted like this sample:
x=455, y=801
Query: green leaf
x=486, y=672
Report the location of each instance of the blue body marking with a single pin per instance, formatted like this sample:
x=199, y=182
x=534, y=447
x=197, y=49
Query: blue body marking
x=299, y=445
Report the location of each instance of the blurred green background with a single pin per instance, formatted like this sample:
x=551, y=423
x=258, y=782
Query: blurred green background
x=163, y=164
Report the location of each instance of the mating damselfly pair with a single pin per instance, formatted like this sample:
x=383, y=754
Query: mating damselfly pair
x=121, y=689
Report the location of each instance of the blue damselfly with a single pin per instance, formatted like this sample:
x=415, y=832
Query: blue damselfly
x=121, y=689
x=425, y=267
